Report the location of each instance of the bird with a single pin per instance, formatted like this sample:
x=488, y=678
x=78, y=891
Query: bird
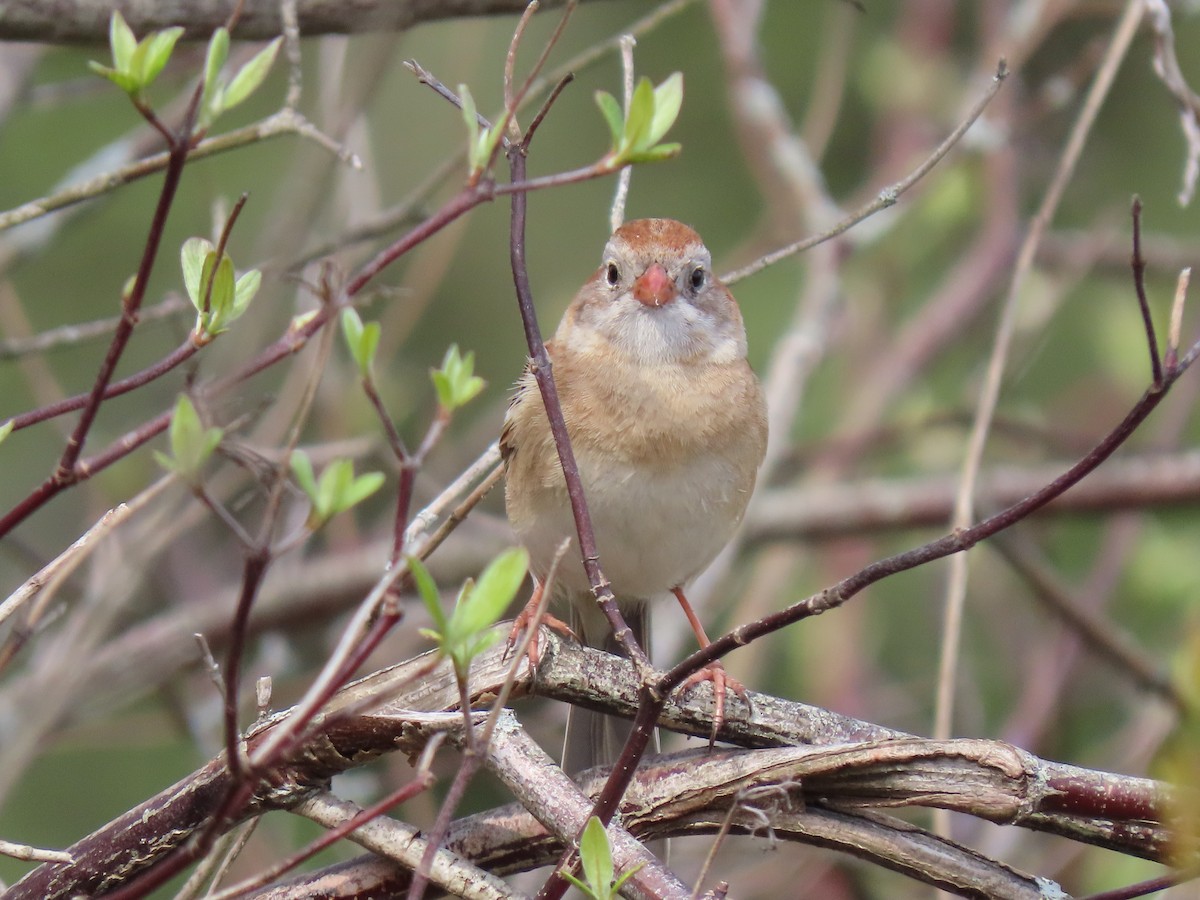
x=668, y=425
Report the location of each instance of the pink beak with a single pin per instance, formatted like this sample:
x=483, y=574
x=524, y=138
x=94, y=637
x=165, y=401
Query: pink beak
x=654, y=287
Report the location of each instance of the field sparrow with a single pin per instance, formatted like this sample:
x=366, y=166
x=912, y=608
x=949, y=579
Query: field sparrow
x=668, y=426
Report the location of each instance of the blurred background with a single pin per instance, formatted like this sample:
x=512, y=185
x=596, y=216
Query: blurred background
x=874, y=347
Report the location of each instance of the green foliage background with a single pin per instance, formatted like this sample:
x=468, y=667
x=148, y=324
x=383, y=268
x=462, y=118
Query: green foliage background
x=1078, y=362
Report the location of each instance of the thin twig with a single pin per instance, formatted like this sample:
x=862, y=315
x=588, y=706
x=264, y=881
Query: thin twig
x=1147, y=887
x=617, y=215
x=33, y=854
x=885, y=199
x=1138, y=264
x=510, y=66
x=285, y=121
x=77, y=333
x=131, y=302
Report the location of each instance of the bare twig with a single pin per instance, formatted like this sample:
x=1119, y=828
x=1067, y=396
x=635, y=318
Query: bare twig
x=78, y=333
x=617, y=215
x=33, y=854
x=885, y=199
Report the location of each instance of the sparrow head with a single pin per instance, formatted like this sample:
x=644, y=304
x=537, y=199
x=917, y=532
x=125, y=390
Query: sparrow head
x=655, y=297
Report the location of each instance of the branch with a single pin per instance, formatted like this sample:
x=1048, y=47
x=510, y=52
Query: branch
x=86, y=21
x=870, y=505
x=822, y=761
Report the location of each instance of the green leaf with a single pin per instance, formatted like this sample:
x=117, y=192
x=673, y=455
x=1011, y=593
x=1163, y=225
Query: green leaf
x=244, y=290
x=486, y=146
x=223, y=284
x=668, y=98
x=120, y=79
x=583, y=888
x=494, y=591
x=336, y=490
x=480, y=605
x=470, y=116
x=616, y=888
x=612, y=115
x=654, y=154
x=303, y=471
x=362, y=340
x=428, y=590
x=333, y=481
x=251, y=76
x=218, y=52
x=6, y=430
x=221, y=297
x=595, y=858
x=191, y=444
x=455, y=382
x=153, y=53
x=227, y=298
x=652, y=111
x=122, y=42
x=468, y=630
x=192, y=257
x=360, y=489
x=639, y=116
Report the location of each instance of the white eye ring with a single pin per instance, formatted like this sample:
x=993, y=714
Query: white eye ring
x=698, y=278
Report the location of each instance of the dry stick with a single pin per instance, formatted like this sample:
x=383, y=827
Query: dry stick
x=1138, y=264
x=67, y=471
x=392, y=840
x=956, y=588
x=872, y=505
x=512, y=128
x=1112, y=811
x=215, y=865
x=259, y=557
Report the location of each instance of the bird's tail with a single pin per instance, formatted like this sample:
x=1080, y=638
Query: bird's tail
x=594, y=738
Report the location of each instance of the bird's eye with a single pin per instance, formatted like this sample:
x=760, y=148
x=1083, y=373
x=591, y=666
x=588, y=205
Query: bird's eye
x=612, y=275
x=698, y=278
